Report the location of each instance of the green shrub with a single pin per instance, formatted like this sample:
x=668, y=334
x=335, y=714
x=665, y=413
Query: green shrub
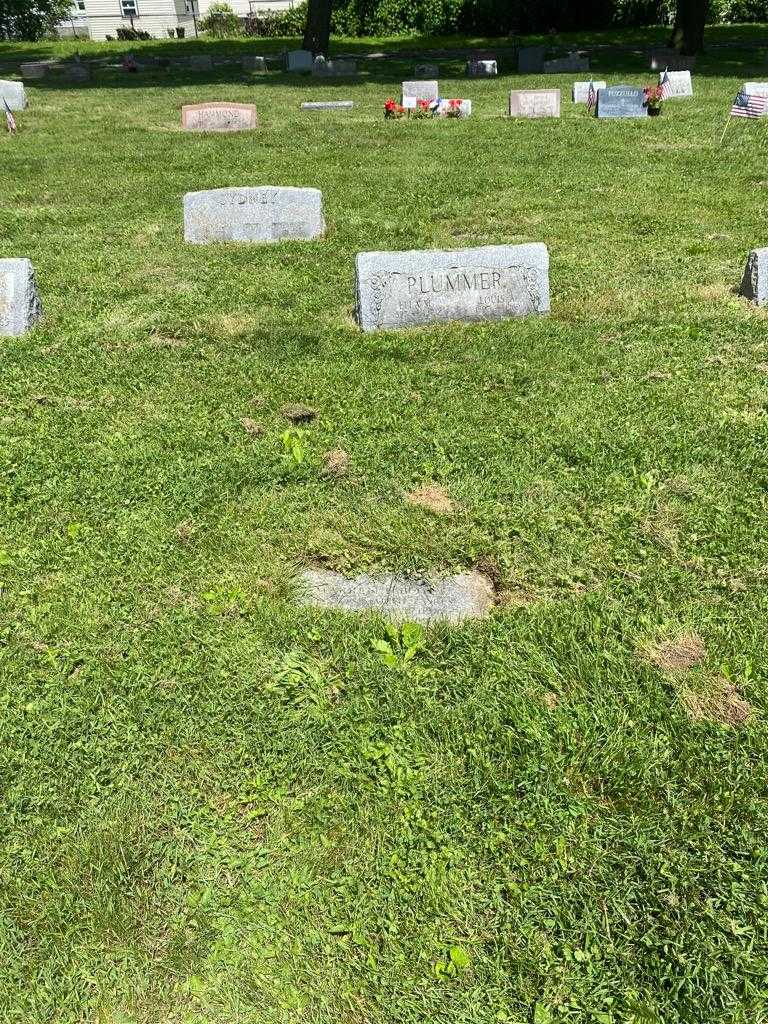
x=221, y=21
x=278, y=23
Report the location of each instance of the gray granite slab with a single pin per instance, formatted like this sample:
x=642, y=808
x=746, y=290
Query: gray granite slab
x=328, y=105
x=14, y=94
x=467, y=595
x=261, y=214
x=426, y=90
x=337, y=68
x=619, y=101
x=36, y=69
x=672, y=60
x=560, y=65
x=754, y=284
x=411, y=289
x=20, y=306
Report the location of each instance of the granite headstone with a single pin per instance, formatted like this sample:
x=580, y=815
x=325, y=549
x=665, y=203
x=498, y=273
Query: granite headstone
x=426, y=71
x=530, y=59
x=14, y=95
x=260, y=214
x=20, y=306
x=482, y=68
x=621, y=101
x=410, y=289
x=219, y=117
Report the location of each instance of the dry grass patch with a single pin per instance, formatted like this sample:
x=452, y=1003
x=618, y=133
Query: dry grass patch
x=336, y=463
x=678, y=654
x=433, y=498
x=719, y=702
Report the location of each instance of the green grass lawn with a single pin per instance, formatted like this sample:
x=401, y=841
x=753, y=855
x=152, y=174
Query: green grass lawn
x=220, y=808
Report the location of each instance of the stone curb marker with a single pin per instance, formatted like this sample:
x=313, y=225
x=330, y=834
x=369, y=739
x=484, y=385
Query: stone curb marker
x=261, y=214
x=468, y=595
x=20, y=306
x=410, y=289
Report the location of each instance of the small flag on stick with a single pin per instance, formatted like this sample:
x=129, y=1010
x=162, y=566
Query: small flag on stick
x=591, y=97
x=10, y=120
x=665, y=87
x=748, y=104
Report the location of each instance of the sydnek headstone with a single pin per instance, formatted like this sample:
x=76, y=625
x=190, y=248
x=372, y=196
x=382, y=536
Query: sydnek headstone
x=219, y=117
x=20, y=306
x=534, y=103
x=410, y=289
x=754, y=284
x=260, y=214
x=621, y=101
x=14, y=95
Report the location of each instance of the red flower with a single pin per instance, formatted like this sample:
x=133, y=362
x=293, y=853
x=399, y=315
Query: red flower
x=453, y=104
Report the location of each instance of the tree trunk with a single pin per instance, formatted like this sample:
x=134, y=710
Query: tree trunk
x=690, y=19
x=317, y=32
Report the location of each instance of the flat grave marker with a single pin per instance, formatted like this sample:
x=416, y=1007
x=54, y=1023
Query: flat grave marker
x=20, y=306
x=618, y=101
x=411, y=289
x=261, y=214
x=534, y=103
x=219, y=117
x=581, y=90
x=254, y=63
x=328, y=105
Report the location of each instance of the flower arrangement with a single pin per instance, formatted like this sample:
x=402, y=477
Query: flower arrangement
x=393, y=110
x=653, y=98
x=453, y=108
x=423, y=108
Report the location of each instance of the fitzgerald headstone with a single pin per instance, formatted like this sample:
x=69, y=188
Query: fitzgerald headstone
x=410, y=289
x=260, y=214
x=20, y=306
x=219, y=117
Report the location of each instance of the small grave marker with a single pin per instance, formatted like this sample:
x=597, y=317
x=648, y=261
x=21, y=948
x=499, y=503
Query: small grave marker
x=754, y=284
x=679, y=83
x=581, y=90
x=482, y=68
x=261, y=214
x=14, y=95
x=621, y=101
x=328, y=105
x=219, y=117
x=334, y=68
x=20, y=306
x=410, y=289
x=534, y=103
x=426, y=71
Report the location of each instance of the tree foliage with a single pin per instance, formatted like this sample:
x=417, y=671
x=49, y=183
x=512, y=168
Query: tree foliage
x=30, y=19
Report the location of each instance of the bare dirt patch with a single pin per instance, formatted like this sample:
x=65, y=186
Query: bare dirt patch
x=720, y=702
x=679, y=653
x=253, y=427
x=433, y=498
x=335, y=463
x=298, y=413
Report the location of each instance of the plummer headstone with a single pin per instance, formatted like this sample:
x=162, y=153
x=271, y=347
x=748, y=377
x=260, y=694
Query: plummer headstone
x=219, y=117
x=426, y=71
x=299, y=60
x=468, y=595
x=410, y=289
x=581, y=90
x=679, y=82
x=261, y=214
x=328, y=105
x=254, y=63
x=534, y=103
x=482, y=68
x=20, y=306
x=14, y=95
x=530, y=59
x=428, y=90
x=754, y=284
x=621, y=101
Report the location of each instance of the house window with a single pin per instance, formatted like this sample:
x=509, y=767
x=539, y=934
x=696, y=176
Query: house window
x=80, y=5
x=129, y=8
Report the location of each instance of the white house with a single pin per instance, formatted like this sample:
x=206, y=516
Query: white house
x=104, y=17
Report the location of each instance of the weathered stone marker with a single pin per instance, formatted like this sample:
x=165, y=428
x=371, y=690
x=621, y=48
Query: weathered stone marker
x=469, y=595
x=679, y=82
x=573, y=62
x=754, y=284
x=36, y=69
x=201, y=62
x=14, y=94
x=20, y=306
x=219, y=117
x=336, y=68
x=534, y=103
x=299, y=60
x=409, y=289
x=581, y=90
x=426, y=71
x=328, y=105
x=427, y=90
x=482, y=68
x=261, y=214
x=621, y=101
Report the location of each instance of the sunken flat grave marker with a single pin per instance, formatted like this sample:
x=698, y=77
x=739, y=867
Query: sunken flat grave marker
x=219, y=117
x=411, y=289
x=14, y=94
x=680, y=83
x=328, y=105
x=468, y=595
x=754, y=284
x=260, y=214
x=534, y=103
x=420, y=90
x=581, y=90
x=20, y=306
x=621, y=101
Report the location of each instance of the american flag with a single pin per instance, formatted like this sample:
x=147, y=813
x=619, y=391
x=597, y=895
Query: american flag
x=665, y=87
x=10, y=120
x=748, y=104
x=591, y=96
